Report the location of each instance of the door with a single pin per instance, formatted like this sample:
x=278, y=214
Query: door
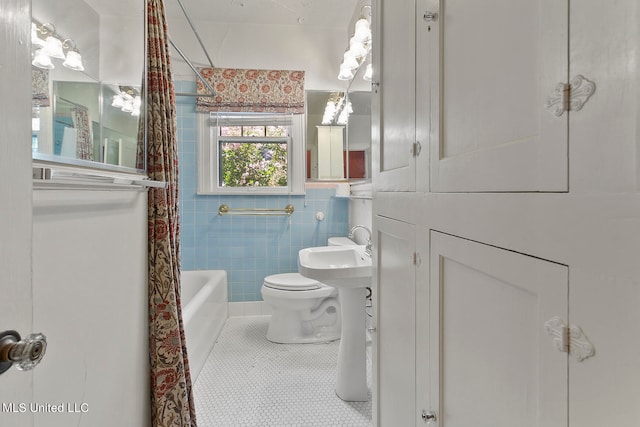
x=495, y=65
x=393, y=101
x=395, y=318
x=497, y=367
x=15, y=209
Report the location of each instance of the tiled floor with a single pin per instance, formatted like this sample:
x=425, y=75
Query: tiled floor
x=249, y=381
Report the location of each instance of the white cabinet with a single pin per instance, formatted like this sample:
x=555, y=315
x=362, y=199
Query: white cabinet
x=494, y=65
x=520, y=213
x=395, y=319
x=330, y=152
x=492, y=362
x=393, y=100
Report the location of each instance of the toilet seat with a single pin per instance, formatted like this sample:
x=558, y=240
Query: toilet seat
x=291, y=282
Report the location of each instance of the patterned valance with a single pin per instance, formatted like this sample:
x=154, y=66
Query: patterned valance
x=276, y=91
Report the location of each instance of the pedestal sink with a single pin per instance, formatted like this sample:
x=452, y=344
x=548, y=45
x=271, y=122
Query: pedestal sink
x=347, y=268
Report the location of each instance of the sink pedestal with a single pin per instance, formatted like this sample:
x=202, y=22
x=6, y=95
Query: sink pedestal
x=352, y=359
x=347, y=268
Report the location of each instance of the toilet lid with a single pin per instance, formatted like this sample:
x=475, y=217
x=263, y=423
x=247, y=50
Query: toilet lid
x=291, y=282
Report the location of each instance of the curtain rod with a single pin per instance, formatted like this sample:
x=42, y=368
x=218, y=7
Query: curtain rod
x=195, y=70
x=186, y=15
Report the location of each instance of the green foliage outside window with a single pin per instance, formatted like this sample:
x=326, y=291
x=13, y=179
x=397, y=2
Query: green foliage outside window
x=245, y=164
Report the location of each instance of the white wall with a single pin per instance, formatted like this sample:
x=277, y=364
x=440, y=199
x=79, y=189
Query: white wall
x=361, y=210
x=316, y=50
x=75, y=20
x=90, y=299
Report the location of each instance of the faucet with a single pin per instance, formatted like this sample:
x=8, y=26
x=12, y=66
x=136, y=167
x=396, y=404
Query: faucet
x=354, y=229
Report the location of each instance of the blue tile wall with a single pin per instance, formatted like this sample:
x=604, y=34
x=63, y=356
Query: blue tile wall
x=247, y=247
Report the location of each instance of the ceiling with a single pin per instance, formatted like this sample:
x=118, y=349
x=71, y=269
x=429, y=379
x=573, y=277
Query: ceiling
x=321, y=13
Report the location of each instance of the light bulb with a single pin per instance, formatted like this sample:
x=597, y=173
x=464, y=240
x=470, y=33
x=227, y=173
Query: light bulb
x=53, y=48
x=73, y=61
x=42, y=60
x=346, y=73
x=363, y=30
x=118, y=101
x=349, y=61
x=368, y=73
x=357, y=48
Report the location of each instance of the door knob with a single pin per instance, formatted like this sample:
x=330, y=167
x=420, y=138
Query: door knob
x=24, y=353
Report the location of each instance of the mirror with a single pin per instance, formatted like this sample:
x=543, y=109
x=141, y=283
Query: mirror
x=339, y=149
x=88, y=65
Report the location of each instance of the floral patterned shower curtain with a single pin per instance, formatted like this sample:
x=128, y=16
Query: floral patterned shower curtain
x=171, y=390
x=84, y=140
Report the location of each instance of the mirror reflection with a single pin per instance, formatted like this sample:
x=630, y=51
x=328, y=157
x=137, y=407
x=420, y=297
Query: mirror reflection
x=338, y=135
x=87, y=65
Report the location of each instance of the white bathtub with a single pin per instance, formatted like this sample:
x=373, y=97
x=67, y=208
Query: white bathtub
x=204, y=312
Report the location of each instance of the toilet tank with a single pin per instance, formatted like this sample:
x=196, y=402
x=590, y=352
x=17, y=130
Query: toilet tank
x=340, y=241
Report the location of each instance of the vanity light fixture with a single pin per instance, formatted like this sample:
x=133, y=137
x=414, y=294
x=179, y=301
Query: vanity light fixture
x=359, y=47
x=128, y=100
x=53, y=46
x=333, y=106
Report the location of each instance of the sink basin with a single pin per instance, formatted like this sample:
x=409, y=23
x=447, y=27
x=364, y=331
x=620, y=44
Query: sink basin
x=338, y=266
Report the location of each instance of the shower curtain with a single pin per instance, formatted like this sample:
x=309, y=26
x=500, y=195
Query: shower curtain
x=171, y=390
x=84, y=140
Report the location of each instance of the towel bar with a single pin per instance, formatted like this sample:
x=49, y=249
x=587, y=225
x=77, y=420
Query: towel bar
x=226, y=210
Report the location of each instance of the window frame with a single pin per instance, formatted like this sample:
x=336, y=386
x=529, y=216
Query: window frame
x=209, y=157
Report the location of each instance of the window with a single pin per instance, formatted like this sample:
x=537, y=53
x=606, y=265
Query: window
x=259, y=153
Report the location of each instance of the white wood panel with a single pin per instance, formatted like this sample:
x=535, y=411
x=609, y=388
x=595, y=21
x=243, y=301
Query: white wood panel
x=423, y=93
x=393, y=162
x=497, y=365
x=395, y=317
x=15, y=209
x=90, y=294
x=605, y=135
x=498, y=62
x=606, y=308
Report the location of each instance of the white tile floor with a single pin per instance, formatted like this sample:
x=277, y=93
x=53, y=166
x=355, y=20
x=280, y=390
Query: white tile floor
x=250, y=381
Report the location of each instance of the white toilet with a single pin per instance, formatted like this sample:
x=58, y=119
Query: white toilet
x=303, y=310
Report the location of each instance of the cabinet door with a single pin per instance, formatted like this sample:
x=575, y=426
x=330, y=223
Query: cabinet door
x=395, y=316
x=393, y=102
x=16, y=302
x=495, y=63
x=496, y=365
